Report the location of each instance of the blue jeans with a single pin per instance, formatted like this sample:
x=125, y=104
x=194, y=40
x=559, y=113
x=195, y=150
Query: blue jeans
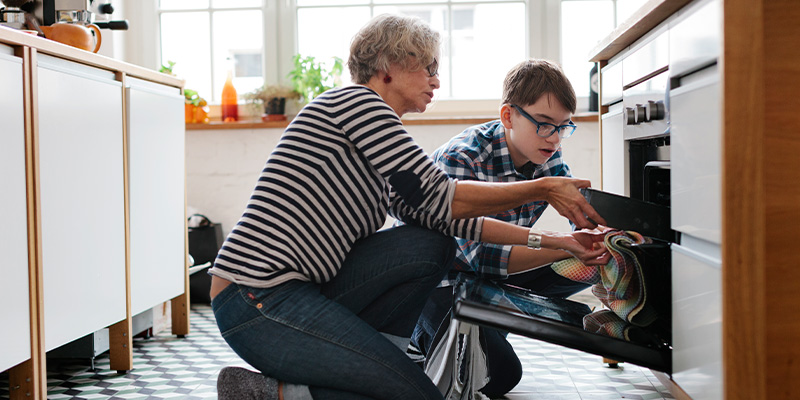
x=504, y=367
x=331, y=336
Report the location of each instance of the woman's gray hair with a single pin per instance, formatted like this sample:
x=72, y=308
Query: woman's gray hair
x=390, y=39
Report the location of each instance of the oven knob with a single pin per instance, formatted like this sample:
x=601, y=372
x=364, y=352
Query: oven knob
x=654, y=110
x=640, y=114
x=630, y=116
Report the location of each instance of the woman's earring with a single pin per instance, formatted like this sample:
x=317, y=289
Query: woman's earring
x=387, y=79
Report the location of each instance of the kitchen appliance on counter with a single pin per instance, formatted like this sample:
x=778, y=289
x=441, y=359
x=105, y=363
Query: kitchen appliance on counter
x=84, y=12
x=12, y=15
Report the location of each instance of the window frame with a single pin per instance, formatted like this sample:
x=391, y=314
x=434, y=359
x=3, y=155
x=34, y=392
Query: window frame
x=543, y=40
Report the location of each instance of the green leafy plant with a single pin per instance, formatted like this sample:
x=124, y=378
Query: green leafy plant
x=311, y=78
x=167, y=69
x=271, y=97
x=268, y=92
x=193, y=98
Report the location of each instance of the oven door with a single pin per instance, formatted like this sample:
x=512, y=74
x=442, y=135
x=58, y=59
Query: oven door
x=560, y=321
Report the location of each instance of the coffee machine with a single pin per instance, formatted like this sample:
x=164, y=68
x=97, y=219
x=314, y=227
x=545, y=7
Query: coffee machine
x=96, y=12
x=11, y=15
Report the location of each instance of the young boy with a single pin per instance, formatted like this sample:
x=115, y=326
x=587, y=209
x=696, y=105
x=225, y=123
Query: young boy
x=524, y=143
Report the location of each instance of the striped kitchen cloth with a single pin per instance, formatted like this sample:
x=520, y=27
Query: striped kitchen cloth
x=619, y=285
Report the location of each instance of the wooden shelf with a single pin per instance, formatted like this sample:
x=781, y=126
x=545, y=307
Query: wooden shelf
x=255, y=124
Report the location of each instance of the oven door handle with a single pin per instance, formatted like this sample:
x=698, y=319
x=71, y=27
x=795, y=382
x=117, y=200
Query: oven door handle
x=654, y=244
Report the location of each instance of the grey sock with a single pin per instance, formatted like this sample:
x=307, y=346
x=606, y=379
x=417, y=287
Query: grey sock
x=236, y=383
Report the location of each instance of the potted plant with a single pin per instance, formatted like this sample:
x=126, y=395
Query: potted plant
x=311, y=78
x=273, y=100
x=195, y=108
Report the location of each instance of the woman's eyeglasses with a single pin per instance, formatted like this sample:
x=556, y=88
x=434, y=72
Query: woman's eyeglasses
x=432, y=68
x=545, y=130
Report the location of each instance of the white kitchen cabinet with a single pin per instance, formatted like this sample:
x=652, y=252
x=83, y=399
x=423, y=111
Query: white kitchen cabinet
x=614, y=156
x=14, y=288
x=697, y=156
x=82, y=199
x=697, y=319
x=156, y=171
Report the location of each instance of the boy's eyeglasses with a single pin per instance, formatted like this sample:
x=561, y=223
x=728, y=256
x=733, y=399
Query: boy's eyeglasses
x=544, y=129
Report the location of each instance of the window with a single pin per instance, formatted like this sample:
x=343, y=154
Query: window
x=482, y=40
x=206, y=39
x=583, y=24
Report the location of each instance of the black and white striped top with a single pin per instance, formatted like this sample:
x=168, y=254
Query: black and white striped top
x=340, y=166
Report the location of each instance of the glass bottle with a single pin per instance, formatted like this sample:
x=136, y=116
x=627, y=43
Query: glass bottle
x=229, y=105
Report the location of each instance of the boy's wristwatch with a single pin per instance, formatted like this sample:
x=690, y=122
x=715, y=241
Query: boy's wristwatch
x=534, y=238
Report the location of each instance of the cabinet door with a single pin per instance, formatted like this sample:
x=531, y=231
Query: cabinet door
x=615, y=172
x=14, y=313
x=697, y=319
x=82, y=199
x=696, y=156
x=156, y=169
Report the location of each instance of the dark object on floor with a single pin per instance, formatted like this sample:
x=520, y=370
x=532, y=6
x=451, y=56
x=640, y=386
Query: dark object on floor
x=237, y=383
x=205, y=241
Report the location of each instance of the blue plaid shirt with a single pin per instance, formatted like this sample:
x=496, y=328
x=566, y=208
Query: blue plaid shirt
x=481, y=153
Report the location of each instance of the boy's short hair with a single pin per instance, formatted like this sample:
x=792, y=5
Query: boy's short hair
x=531, y=79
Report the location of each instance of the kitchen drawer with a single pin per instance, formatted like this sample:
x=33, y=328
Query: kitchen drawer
x=611, y=89
x=647, y=59
x=7, y=50
x=697, y=322
x=695, y=39
x=696, y=155
x=613, y=152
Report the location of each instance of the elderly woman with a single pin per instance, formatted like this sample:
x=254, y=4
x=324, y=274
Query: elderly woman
x=305, y=288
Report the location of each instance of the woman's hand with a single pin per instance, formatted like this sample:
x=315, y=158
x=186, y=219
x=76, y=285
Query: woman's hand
x=562, y=193
x=585, y=245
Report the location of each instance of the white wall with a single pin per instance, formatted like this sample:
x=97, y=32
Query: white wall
x=223, y=165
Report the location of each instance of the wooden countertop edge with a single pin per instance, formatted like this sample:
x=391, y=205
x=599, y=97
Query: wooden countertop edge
x=643, y=20
x=12, y=37
x=217, y=125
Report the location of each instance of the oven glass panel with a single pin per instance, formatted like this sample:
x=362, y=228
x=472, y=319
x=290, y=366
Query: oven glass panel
x=561, y=321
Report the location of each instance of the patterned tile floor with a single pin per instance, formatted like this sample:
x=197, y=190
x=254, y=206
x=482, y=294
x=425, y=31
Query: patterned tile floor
x=166, y=367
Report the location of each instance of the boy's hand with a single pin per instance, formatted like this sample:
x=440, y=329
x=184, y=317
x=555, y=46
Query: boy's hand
x=586, y=245
x=563, y=195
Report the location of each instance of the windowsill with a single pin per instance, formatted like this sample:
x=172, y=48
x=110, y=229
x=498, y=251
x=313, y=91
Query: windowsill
x=257, y=124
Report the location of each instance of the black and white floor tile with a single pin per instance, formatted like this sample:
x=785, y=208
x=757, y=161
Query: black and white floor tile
x=167, y=367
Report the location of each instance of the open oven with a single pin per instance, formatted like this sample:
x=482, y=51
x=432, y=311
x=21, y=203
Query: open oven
x=561, y=321
x=645, y=210
x=636, y=196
